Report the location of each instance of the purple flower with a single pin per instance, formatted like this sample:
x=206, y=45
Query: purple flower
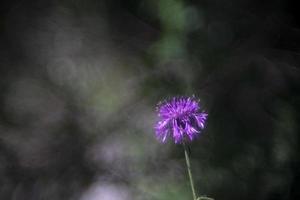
x=181, y=118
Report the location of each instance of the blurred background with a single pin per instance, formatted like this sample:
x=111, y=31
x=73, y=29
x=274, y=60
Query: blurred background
x=80, y=80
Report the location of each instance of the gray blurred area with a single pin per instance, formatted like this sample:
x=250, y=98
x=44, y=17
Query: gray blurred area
x=80, y=81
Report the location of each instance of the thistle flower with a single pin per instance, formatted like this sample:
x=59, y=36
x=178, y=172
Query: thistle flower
x=179, y=117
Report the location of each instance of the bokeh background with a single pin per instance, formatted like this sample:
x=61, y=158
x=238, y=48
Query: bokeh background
x=80, y=80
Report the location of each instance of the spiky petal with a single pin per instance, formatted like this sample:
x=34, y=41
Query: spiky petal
x=180, y=118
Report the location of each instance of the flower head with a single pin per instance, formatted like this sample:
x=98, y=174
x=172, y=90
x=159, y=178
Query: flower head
x=181, y=118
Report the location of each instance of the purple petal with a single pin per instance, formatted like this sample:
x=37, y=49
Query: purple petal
x=177, y=133
x=178, y=117
x=191, y=131
x=200, y=119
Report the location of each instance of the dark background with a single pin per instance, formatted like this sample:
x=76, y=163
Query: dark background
x=80, y=81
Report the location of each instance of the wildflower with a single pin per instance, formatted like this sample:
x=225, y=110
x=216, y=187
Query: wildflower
x=181, y=118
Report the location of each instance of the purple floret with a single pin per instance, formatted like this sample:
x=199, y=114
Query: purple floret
x=181, y=118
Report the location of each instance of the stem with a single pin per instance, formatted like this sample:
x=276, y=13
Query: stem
x=187, y=159
x=204, y=198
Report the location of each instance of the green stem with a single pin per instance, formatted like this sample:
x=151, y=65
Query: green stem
x=204, y=198
x=187, y=159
